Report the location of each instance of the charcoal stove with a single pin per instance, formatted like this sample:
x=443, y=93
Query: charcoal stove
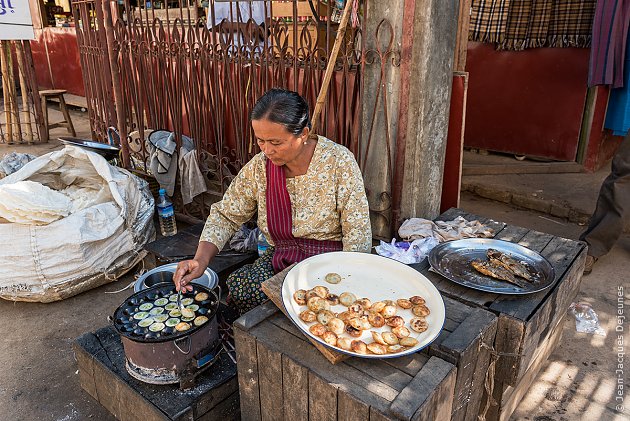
x=170, y=356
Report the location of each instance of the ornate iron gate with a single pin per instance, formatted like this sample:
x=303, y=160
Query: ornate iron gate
x=199, y=75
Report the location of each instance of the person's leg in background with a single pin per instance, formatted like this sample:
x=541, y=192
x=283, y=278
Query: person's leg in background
x=613, y=206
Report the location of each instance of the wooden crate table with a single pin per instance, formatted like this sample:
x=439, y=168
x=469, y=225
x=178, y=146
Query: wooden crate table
x=102, y=373
x=529, y=326
x=465, y=341
x=283, y=377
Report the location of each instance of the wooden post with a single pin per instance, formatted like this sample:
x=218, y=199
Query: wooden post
x=341, y=34
x=25, y=104
x=12, y=93
x=5, y=92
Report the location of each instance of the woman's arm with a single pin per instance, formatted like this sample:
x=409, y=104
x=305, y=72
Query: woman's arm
x=352, y=205
x=238, y=205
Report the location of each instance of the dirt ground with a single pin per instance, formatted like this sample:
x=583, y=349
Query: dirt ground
x=39, y=378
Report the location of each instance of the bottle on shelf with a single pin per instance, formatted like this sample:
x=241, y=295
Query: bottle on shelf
x=166, y=214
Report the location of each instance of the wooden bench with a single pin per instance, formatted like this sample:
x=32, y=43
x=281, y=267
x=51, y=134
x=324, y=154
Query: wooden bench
x=283, y=377
x=465, y=341
x=101, y=362
x=529, y=326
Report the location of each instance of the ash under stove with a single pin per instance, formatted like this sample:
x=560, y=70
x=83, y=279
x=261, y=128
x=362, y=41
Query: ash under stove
x=103, y=374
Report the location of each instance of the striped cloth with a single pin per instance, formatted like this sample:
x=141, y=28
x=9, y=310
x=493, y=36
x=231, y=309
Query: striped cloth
x=289, y=249
x=528, y=24
x=610, y=32
x=571, y=23
x=488, y=19
x=520, y=24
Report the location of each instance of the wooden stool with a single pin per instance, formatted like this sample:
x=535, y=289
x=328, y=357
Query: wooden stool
x=67, y=122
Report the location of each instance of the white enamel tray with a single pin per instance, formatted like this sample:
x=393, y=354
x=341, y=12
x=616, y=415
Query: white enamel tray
x=365, y=275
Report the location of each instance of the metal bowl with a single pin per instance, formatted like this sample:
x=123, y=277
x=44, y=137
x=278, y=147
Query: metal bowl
x=164, y=275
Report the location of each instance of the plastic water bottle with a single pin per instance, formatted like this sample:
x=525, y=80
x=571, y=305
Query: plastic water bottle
x=166, y=214
x=262, y=243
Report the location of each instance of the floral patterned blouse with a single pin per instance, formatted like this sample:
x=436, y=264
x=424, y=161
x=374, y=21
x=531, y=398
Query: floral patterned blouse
x=328, y=202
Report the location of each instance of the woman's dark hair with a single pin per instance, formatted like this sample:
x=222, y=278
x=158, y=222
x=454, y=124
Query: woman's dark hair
x=283, y=107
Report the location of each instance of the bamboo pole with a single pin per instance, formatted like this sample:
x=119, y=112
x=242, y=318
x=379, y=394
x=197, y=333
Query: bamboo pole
x=5, y=92
x=15, y=109
x=323, y=92
x=19, y=50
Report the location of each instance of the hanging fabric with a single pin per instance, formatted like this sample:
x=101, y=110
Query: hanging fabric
x=618, y=113
x=520, y=24
x=610, y=33
x=488, y=19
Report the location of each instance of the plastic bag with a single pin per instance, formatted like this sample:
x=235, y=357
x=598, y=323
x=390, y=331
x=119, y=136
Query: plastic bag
x=406, y=252
x=586, y=320
x=13, y=161
x=245, y=240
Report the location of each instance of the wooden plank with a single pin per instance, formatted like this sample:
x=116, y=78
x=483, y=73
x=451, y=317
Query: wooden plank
x=85, y=362
x=463, y=349
x=508, y=341
x=226, y=410
x=409, y=364
x=550, y=314
x=119, y=398
x=270, y=383
x=429, y=395
x=480, y=375
x=247, y=365
x=535, y=240
x=272, y=287
x=351, y=409
x=511, y=233
x=295, y=390
x=381, y=371
x=322, y=399
x=345, y=377
x=207, y=404
x=512, y=396
x=255, y=316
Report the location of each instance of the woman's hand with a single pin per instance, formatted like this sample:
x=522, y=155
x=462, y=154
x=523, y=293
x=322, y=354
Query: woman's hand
x=187, y=271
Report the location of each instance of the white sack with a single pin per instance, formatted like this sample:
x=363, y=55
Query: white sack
x=86, y=249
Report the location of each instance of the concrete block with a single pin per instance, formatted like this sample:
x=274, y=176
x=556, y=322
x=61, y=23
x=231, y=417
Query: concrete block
x=493, y=193
x=560, y=210
x=533, y=203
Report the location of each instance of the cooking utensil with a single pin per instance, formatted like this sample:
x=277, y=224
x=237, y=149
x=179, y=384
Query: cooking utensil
x=164, y=275
x=453, y=261
x=162, y=357
x=365, y=275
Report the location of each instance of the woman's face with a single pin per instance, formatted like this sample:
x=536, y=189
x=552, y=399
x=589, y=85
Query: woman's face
x=277, y=143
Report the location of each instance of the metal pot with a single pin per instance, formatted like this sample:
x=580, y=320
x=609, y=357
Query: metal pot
x=164, y=275
x=164, y=357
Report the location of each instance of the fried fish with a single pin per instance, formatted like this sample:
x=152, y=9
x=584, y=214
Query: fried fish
x=520, y=269
x=496, y=271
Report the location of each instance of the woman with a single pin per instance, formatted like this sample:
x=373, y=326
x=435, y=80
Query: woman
x=308, y=192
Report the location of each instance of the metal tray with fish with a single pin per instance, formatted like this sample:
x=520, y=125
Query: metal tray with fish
x=495, y=266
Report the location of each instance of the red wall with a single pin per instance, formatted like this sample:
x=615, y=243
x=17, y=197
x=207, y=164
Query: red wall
x=528, y=102
x=56, y=59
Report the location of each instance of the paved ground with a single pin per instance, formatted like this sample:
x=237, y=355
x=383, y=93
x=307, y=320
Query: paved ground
x=570, y=195
x=39, y=379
